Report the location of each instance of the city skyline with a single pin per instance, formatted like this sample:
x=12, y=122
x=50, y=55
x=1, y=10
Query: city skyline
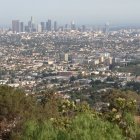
x=49, y=25
x=83, y=12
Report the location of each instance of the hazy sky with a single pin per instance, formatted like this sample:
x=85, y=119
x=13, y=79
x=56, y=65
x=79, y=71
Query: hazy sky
x=81, y=11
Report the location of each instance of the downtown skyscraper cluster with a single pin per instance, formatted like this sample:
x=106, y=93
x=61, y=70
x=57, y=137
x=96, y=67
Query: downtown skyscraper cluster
x=18, y=26
x=31, y=26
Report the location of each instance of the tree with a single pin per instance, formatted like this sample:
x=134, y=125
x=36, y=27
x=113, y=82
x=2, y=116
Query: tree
x=72, y=78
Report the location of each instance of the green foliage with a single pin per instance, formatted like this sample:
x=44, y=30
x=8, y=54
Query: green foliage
x=87, y=126
x=134, y=86
x=50, y=118
x=84, y=123
x=72, y=78
x=34, y=130
x=13, y=102
x=133, y=68
x=111, y=95
x=83, y=127
x=66, y=108
x=120, y=113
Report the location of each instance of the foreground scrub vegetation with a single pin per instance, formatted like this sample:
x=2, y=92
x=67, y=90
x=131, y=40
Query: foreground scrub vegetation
x=47, y=117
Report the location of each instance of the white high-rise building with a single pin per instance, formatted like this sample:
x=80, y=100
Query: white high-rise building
x=39, y=28
x=66, y=57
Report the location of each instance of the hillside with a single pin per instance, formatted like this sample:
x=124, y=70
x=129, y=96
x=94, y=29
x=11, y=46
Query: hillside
x=47, y=117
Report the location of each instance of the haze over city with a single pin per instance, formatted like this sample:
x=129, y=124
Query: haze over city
x=117, y=12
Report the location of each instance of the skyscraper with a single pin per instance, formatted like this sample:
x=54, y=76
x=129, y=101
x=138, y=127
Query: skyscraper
x=55, y=26
x=39, y=28
x=66, y=27
x=46, y=26
x=83, y=28
x=42, y=26
x=73, y=27
x=15, y=26
x=49, y=25
x=26, y=28
x=21, y=27
x=106, y=29
x=30, y=24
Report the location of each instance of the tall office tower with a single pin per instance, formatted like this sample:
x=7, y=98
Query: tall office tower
x=26, y=28
x=66, y=27
x=106, y=30
x=42, y=26
x=49, y=25
x=55, y=26
x=21, y=27
x=46, y=26
x=15, y=26
x=30, y=24
x=34, y=27
x=73, y=27
x=83, y=28
x=39, y=28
